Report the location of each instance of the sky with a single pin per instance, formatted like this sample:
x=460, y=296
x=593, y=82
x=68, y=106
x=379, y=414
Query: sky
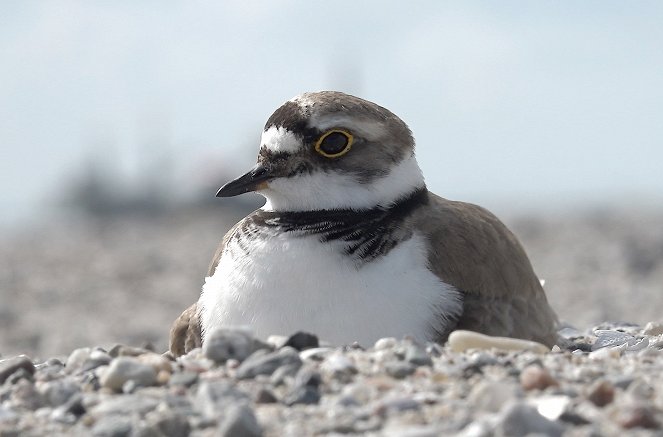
x=514, y=104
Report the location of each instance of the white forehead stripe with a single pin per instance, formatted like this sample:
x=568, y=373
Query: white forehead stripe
x=279, y=139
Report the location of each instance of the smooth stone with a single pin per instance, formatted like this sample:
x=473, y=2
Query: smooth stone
x=157, y=361
x=396, y=404
x=653, y=328
x=125, y=404
x=305, y=395
x=338, y=366
x=76, y=359
x=112, y=426
x=492, y=395
x=59, y=391
x=534, y=377
x=601, y=393
x=214, y=397
x=637, y=416
x=316, y=353
x=302, y=340
x=461, y=340
x=169, y=424
x=277, y=341
x=240, y=421
x=399, y=369
x=124, y=369
x=223, y=344
x=24, y=394
x=518, y=419
x=184, y=378
x=281, y=374
x=267, y=363
x=120, y=350
x=11, y=365
x=552, y=407
x=414, y=354
x=385, y=343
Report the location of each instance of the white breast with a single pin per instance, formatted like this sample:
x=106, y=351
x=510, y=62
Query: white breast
x=290, y=283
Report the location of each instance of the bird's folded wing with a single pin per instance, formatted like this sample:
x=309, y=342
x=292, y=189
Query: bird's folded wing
x=185, y=333
x=474, y=251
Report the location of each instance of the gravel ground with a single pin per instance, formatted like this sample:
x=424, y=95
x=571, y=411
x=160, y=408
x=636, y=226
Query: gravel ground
x=603, y=382
x=83, y=282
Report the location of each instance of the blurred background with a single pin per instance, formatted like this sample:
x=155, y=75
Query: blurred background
x=119, y=120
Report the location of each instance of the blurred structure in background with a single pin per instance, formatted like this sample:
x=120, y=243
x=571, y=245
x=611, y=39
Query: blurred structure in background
x=118, y=123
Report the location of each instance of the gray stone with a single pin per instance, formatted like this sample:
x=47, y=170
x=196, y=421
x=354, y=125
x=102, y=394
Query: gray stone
x=11, y=365
x=521, y=419
x=171, y=424
x=25, y=395
x=491, y=396
x=76, y=359
x=265, y=396
x=112, y=426
x=306, y=395
x=608, y=338
x=213, y=397
x=239, y=421
x=399, y=369
x=416, y=355
x=125, y=369
x=223, y=344
x=266, y=363
x=185, y=378
x=59, y=391
x=282, y=373
x=125, y=404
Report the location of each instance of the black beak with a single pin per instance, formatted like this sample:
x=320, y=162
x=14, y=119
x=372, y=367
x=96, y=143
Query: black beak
x=251, y=181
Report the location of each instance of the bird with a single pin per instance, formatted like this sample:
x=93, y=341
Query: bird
x=352, y=246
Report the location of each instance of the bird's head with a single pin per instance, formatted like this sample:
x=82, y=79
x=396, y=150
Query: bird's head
x=330, y=150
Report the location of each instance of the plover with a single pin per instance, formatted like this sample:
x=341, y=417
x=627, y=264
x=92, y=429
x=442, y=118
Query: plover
x=352, y=246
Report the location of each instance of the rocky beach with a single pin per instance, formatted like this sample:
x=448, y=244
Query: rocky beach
x=86, y=305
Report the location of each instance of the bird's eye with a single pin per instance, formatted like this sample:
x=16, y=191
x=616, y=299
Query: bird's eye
x=334, y=143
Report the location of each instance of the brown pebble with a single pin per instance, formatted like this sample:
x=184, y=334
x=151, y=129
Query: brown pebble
x=638, y=416
x=534, y=377
x=163, y=377
x=601, y=393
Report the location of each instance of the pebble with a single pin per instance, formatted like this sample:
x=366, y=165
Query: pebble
x=302, y=341
x=125, y=369
x=653, y=328
x=112, y=426
x=260, y=363
x=399, y=369
x=223, y=344
x=11, y=365
x=519, y=419
x=460, y=341
x=601, y=393
x=239, y=421
x=416, y=355
x=534, y=377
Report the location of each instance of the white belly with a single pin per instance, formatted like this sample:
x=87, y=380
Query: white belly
x=290, y=283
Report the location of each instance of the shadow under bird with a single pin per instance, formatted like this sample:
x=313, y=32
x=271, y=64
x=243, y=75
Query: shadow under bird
x=352, y=246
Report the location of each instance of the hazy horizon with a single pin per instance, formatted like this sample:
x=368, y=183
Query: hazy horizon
x=514, y=105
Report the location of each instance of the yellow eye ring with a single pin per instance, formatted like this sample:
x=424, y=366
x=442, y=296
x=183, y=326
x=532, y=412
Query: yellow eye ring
x=334, y=143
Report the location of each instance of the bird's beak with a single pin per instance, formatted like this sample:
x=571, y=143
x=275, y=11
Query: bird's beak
x=253, y=180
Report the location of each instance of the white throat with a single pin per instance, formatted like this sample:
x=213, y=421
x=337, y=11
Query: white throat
x=326, y=190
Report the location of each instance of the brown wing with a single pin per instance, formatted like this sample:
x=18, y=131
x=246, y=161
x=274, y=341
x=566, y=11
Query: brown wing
x=185, y=333
x=472, y=250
